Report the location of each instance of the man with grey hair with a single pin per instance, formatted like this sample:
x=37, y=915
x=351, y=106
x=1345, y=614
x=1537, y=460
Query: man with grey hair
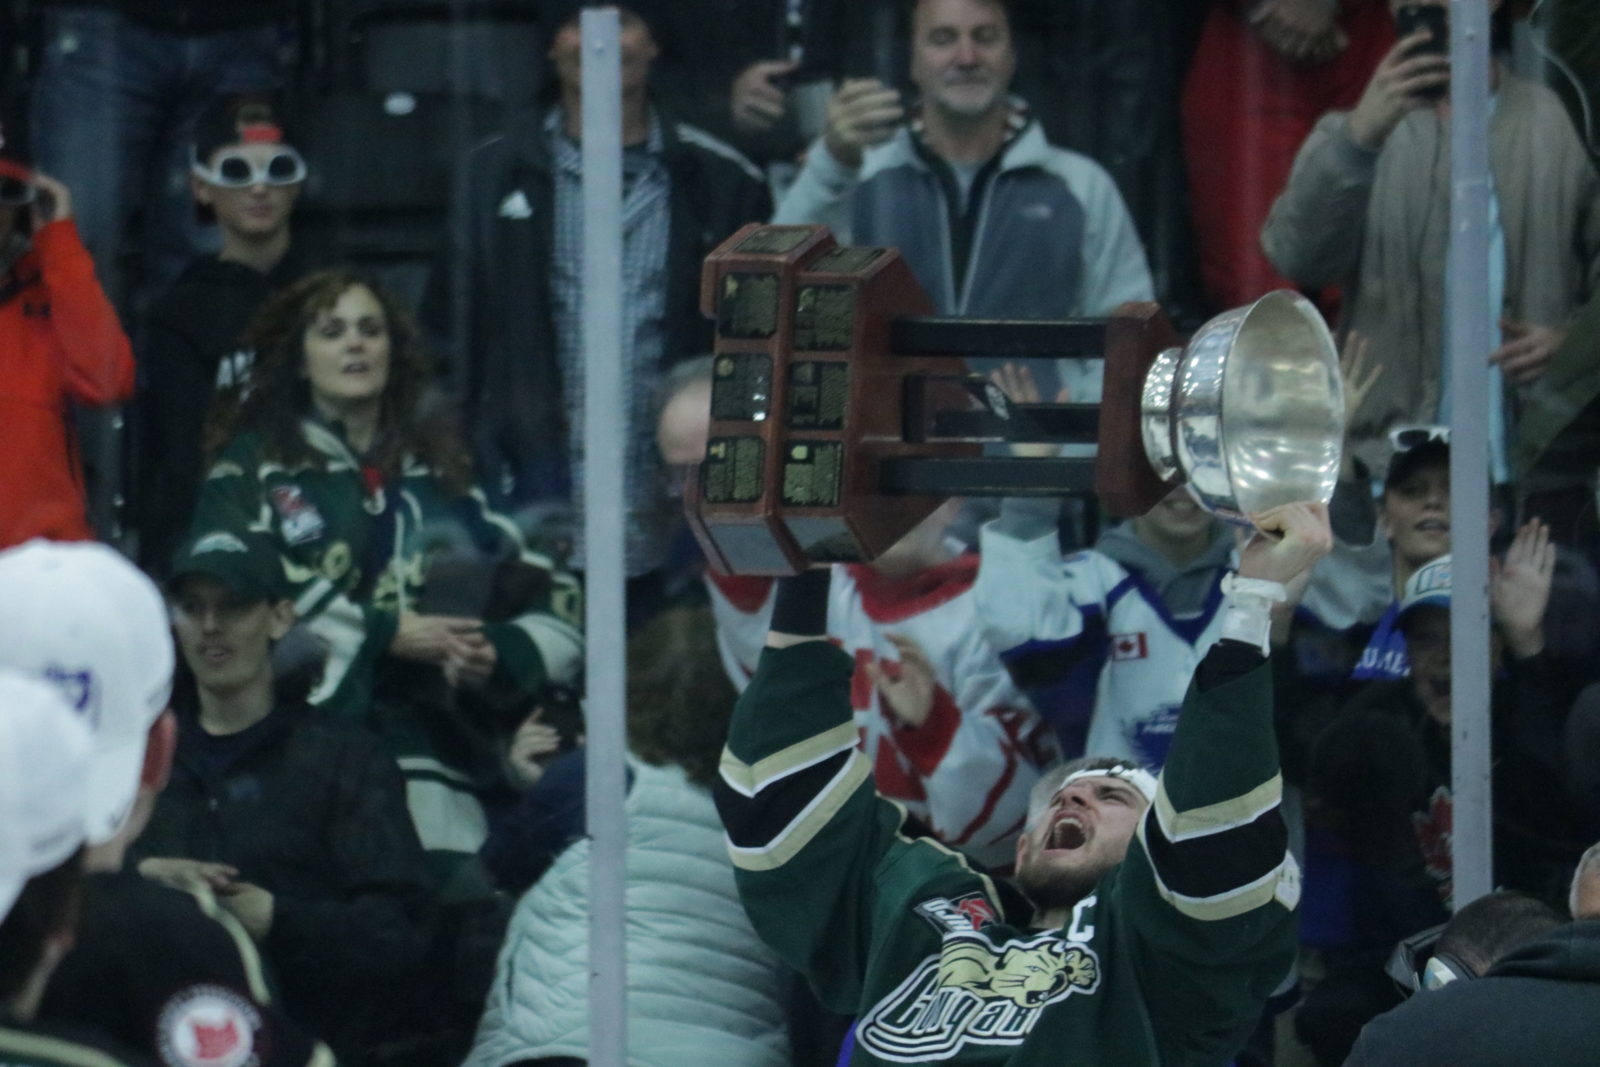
x=684, y=402
x=992, y=219
x=949, y=734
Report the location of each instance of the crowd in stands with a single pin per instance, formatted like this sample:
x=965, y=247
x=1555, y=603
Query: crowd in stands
x=292, y=577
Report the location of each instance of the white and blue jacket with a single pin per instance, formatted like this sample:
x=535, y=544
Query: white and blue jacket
x=1094, y=643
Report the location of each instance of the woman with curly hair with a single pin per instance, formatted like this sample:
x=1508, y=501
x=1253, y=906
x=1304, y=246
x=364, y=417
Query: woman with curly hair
x=369, y=502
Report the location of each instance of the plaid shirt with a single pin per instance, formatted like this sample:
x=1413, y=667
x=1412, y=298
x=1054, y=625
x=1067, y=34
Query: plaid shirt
x=646, y=213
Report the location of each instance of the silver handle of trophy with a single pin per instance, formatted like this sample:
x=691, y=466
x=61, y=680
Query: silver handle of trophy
x=1155, y=414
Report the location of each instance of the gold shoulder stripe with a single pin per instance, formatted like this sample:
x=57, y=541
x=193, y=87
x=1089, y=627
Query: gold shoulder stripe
x=249, y=958
x=1282, y=884
x=808, y=823
x=55, y=1050
x=1215, y=818
x=960, y=857
x=750, y=779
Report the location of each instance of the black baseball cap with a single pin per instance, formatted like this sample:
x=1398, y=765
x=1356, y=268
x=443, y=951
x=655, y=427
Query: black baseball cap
x=239, y=118
x=1430, y=452
x=245, y=563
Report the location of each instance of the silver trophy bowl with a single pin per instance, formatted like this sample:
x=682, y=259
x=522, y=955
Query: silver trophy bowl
x=1250, y=413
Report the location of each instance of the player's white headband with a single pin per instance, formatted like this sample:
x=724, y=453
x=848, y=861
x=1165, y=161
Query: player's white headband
x=1138, y=777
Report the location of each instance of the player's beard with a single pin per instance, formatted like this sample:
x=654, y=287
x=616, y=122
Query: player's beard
x=1049, y=889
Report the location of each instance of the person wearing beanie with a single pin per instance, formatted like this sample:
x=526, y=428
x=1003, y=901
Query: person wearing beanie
x=245, y=175
x=520, y=224
x=62, y=342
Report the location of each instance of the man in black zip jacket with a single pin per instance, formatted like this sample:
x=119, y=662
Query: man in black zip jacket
x=296, y=821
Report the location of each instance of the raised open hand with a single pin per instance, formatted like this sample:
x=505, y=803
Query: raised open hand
x=1519, y=588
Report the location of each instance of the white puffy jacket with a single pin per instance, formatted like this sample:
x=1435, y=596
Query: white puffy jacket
x=702, y=988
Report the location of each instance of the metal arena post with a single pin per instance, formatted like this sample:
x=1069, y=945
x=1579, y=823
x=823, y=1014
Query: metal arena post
x=1470, y=329
x=604, y=437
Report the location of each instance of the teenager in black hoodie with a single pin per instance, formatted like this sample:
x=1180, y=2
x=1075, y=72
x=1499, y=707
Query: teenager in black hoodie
x=247, y=175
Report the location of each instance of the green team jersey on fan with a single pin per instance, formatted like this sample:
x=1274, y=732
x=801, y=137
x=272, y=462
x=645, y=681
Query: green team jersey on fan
x=1169, y=961
x=356, y=555
x=359, y=551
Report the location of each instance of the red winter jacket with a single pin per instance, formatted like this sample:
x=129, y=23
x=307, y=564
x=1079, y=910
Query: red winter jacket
x=59, y=340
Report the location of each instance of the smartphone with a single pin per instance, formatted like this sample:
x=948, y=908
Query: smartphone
x=1436, y=20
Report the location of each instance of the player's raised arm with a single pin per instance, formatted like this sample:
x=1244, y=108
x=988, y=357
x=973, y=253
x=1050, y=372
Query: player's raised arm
x=1210, y=892
x=796, y=798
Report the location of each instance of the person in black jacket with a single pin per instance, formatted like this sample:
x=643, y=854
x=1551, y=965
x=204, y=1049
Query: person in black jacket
x=518, y=229
x=159, y=971
x=247, y=175
x=1535, y=1005
x=296, y=821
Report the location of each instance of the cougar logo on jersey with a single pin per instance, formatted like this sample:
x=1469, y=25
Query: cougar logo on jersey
x=973, y=992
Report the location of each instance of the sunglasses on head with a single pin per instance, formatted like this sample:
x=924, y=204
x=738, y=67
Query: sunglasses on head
x=236, y=170
x=14, y=192
x=1405, y=438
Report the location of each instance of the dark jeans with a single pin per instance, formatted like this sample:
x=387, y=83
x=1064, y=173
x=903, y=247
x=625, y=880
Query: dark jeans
x=114, y=112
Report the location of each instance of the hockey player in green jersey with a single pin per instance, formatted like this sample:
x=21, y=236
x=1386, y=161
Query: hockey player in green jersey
x=1154, y=917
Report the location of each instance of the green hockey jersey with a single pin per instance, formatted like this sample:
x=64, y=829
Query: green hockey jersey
x=357, y=554
x=1169, y=961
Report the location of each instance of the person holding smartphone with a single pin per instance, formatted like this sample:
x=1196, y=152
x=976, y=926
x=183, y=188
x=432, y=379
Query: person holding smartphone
x=60, y=340
x=1367, y=206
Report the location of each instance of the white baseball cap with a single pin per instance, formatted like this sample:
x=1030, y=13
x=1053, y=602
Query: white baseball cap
x=80, y=616
x=44, y=756
x=1428, y=586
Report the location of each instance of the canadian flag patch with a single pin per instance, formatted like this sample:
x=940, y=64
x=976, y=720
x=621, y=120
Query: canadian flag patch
x=1129, y=646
